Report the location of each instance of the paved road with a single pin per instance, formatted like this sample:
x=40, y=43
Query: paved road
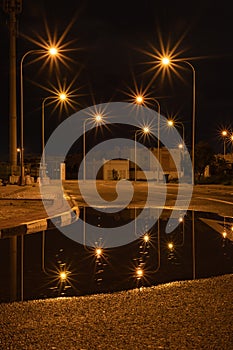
x=208, y=198
x=22, y=204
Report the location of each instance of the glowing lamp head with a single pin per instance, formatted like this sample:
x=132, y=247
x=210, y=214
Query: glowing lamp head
x=165, y=61
x=62, y=96
x=146, y=130
x=139, y=99
x=53, y=51
x=170, y=122
x=170, y=246
x=146, y=238
x=224, y=133
x=98, y=118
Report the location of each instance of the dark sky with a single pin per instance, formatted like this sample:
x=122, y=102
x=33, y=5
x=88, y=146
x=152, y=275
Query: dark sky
x=107, y=41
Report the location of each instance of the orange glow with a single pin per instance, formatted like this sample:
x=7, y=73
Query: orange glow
x=139, y=99
x=98, y=252
x=63, y=276
x=62, y=96
x=170, y=246
x=98, y=118
x=146, y=238
x=170, y=122
x=139, y=272
x=53, y=51
x=224, y=133
x=146, y=129
x=165, y=61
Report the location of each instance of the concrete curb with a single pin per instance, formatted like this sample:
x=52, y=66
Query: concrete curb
x=60, y=220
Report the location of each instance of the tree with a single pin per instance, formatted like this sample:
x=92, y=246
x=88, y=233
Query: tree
x=204, y=155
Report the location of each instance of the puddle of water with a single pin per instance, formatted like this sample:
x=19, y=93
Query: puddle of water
x=200, y=246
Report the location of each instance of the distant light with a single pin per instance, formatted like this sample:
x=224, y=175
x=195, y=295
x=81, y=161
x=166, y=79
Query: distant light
x=18, y=150
x=180, y=146
x=224, y=133
x=63, y=276
x=170, y=246
x=98, y=252
x=224, y=234
x=146, y=238
x=139, y=272
x=165, y=61
x=170, y=122
x=146, y=130
x=53, y=51
x=139, y=99
x=181, y=219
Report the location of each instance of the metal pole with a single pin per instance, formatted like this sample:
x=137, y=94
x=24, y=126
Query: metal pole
x=193, y=246
x=84, y=150
x=43, y=135
x=193, y=120
x=13, y=268
x=12, y=8
x=158, y=242
x=135, y=156
x=158, y=140
x=22, y=267
x=22, y=175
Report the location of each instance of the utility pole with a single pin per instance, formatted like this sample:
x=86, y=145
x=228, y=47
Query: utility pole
x=13, y=8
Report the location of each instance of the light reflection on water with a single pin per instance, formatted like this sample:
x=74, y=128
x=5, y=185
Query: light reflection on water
x=190, y=251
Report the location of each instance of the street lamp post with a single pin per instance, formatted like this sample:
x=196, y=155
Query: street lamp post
x=172, y=123
x=224, y=135
x=43, y=137
x=52, y=51
x=97, y=119
x=62, y=97
x=140, y=100
x=166, y=61
x=145, y=130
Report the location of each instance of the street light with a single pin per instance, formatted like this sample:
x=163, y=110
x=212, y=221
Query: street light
x=19, y=151
x=145, y=131
x=52, y=51
x=139, y=99
x=97, y=119
x=60, y=97
x=166, y=61
x=224, y=135
x=172, y=123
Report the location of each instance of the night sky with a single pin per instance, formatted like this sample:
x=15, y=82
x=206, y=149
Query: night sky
x=108, y=45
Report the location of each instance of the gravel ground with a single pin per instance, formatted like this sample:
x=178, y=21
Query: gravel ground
x=179, y=315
